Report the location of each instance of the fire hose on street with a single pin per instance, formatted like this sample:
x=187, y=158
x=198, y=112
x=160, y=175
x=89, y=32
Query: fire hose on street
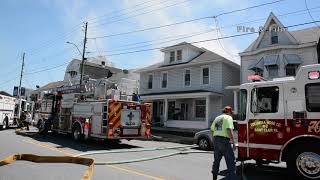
x=90, y=162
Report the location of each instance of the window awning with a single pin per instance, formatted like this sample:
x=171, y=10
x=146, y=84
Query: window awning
x=257, y=65
x=271, y=60
x=292, y=59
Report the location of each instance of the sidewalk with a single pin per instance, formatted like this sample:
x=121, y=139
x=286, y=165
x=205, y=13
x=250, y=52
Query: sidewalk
x=176, y=135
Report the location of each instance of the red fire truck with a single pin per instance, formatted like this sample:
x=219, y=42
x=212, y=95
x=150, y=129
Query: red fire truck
x=279, y=121
x=72, y=113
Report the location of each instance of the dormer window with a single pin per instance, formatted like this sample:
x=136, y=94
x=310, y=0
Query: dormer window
x=179, y=55
x=172, y=56
x=73, y=73
x=274, y=35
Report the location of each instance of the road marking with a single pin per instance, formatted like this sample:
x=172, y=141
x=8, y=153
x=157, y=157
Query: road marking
x=133, y=171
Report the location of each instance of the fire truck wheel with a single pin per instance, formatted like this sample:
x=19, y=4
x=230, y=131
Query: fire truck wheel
x=76, y=133
x=305, y=161
x=4, y=124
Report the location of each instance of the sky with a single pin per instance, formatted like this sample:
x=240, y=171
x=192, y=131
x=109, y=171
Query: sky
x=41, y=29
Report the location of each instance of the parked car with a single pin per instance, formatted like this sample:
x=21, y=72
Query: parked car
x=204, y=139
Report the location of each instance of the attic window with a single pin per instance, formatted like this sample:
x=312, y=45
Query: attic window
x=172, y=56
x=73, y=74
x=179, y=55
x=274, y=35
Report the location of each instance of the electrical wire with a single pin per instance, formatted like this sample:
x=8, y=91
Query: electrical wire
x=184, y=36
x=187, y=21
x=195, y=42
x=143, y=13
x=306, y=4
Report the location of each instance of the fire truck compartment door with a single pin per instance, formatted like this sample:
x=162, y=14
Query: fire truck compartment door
x=130, y=118
x=96, y=121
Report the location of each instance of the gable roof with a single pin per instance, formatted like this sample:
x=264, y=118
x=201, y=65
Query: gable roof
x=181, y=45
x=272, y=18
x=301, y=36
x=206, y=57
x=5, y=93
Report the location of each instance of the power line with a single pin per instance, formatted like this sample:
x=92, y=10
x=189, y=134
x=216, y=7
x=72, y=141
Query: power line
x=187, y=21
x=184, y=36
x=119, y=10
x=130, y=12
x=143, y=13
x=306, y=4
x=196, y=42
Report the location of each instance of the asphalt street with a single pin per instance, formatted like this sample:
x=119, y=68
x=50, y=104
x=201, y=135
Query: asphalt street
x=187, y=166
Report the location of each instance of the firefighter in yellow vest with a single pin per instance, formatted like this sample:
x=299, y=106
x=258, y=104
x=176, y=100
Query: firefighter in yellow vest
x=223, y=143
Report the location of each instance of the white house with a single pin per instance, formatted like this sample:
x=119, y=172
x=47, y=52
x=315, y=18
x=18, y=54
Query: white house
x=278, y=52
x=187, y=87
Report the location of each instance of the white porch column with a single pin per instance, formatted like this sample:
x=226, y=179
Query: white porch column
x=165, y=117
x=207, y=110
x=235, y=102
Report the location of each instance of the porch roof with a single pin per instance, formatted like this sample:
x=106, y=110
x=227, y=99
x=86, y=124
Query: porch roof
x=180, y=94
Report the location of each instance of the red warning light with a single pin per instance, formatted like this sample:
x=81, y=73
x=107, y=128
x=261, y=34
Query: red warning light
x=254, y=78
x=314, y=75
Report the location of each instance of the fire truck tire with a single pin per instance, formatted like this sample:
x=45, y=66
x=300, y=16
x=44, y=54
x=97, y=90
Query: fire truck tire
x=304, y=161
x=4, y=124
x=77, y=135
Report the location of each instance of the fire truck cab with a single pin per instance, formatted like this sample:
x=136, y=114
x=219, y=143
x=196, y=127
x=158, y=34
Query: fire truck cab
x=279, y=121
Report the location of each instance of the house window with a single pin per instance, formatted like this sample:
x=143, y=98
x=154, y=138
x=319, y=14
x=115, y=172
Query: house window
x=164, y=80
x=200, y=109
x=274, y=36
x=273, y=71
x=313, y=97
x=179, y=55
x=184, y=111
x=150, y=79
x=73, y=74
x=265, y=100
x=291, y=69
x=172, y=56
x=187, y=77
x=171, y=110
x=205, y=75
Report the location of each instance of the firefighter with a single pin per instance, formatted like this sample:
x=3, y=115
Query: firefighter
x=223, y=143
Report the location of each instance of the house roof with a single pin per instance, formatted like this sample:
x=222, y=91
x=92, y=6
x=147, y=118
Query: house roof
x=206, y=56
x=180, y=45
x=180, y=92
x=51, y=85
x=301, y=36
x=5, y=93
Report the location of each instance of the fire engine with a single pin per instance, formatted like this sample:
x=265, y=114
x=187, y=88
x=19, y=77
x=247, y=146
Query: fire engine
x=279, y=121
x=7, y=105
x=94, y=118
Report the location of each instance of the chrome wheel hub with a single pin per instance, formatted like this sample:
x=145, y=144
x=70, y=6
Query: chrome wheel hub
x=76, y=134
x=203, y=144
x=308, y=163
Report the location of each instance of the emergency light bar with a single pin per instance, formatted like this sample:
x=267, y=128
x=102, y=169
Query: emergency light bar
x=254, y=78
x=314, y=75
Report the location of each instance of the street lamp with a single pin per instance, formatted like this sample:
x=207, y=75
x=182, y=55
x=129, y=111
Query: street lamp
x=75, y=46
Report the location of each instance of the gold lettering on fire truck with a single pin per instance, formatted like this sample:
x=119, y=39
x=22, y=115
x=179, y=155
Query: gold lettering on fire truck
x=314, y=126
x=265, y=126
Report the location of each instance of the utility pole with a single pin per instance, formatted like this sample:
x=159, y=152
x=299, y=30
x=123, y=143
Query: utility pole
x=83, y=52
x=19, y=89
